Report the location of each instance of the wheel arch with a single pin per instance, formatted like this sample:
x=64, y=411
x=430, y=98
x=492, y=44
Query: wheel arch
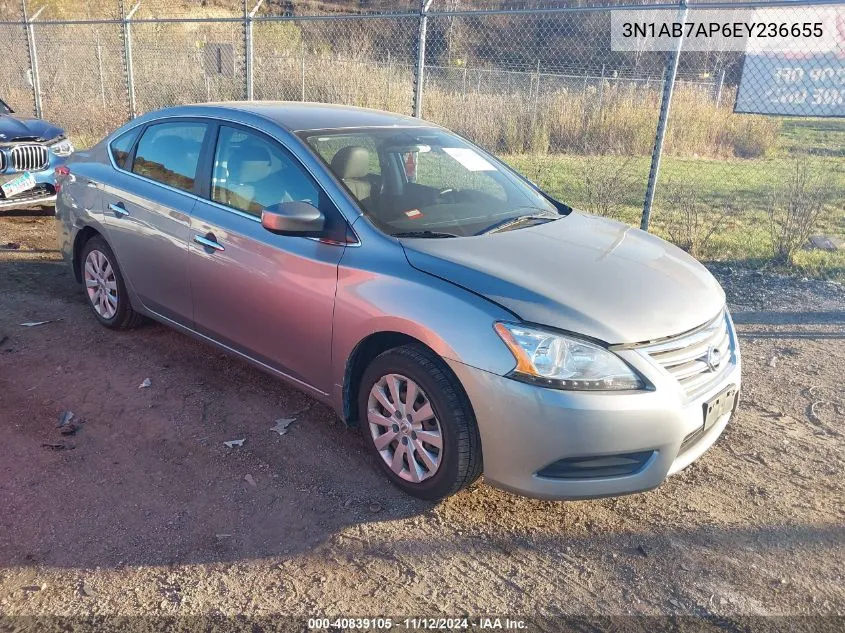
x=364, y=353
x=79, y=241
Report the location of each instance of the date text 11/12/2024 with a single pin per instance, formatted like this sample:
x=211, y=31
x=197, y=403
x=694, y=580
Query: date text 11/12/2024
x=418, y=623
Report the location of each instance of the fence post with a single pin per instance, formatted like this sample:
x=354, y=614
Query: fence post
x=247, y=53
x=420, y=72
x=127, y=58
x=301, y=69
x=249, y=48
x=33, y=59
x=601, y=91
x=665, y=104
x=100, y=71
x=719, y=88
x=536, y=101
x=389, y=79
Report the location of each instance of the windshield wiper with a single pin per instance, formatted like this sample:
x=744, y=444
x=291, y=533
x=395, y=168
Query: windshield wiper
x=431, y=234
x=513, y=222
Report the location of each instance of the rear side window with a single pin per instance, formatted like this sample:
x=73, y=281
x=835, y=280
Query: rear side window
x=169, y=153
x=121, y=147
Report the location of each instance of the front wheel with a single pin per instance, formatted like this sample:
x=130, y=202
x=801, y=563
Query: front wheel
x=418, y=423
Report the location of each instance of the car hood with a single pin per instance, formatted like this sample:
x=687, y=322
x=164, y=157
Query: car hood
x=583, y=274
x=13, y=128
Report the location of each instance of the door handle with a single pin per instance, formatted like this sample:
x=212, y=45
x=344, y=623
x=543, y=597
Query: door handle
x=119, y=210
x=209, y=241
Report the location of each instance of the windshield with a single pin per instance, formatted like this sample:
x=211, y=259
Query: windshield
x=424, y=182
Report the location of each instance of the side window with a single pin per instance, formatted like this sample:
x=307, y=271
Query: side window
x=252, y=173
x=169, y=153
x=122, y=145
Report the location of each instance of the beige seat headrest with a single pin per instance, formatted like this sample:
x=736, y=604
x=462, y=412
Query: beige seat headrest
x=351, y=162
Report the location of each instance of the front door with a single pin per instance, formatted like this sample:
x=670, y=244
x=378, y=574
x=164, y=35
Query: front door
x=268, y=296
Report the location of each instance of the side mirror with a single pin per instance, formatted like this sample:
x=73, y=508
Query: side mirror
x=293, y=218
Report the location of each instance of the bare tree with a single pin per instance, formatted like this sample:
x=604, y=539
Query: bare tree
x=797, y=203
x=689, y=222
x=608, y=183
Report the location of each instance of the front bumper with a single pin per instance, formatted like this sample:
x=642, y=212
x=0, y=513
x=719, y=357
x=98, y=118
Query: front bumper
x=524, y=429
x=36, y=197
x=44, y=193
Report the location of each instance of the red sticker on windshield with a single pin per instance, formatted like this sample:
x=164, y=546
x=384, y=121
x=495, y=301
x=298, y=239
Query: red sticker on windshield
x=414, y=213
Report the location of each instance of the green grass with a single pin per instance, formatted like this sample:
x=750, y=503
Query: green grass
x=742, y=185
x=819, y=137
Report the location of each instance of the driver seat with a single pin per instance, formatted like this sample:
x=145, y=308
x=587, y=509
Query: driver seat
x=352, y=164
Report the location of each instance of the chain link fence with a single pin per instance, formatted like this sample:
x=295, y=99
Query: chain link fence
x=354, y=60
x=769, y=189
x=16, y=77
x=631, y=134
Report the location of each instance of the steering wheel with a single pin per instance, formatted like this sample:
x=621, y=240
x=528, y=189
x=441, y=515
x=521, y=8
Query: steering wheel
x=447, y=193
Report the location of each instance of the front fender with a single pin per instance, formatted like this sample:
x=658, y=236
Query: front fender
x=455, y=323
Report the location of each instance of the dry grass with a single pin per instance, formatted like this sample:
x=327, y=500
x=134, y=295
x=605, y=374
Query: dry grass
x=84, y=89
x=622, y=122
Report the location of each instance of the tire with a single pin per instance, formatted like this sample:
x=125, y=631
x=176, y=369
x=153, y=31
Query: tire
x=458, y=460
x=111, y=306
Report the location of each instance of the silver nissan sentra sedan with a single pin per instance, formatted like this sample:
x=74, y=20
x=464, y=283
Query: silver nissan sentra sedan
x=465, y=320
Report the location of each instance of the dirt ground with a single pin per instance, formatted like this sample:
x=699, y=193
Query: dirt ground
x=144, y=511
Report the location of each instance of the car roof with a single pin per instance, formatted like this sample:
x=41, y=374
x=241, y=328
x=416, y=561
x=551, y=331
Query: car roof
x=296, y=116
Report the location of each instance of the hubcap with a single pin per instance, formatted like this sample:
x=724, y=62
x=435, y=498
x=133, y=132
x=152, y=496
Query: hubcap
x=101, y=284
x=405, y=430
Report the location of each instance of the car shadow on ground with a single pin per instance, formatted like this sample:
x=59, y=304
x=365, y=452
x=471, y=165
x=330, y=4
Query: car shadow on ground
x=31, y=212
x=758, y=324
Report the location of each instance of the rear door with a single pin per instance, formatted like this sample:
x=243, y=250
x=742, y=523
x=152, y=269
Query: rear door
x=268, y=296
x=147, y=207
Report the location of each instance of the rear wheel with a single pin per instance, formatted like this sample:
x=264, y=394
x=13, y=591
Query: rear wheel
x=105, y=288
x=419, y=424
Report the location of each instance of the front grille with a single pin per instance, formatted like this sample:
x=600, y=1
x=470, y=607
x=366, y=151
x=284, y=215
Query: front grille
x=698, y=358
x=29, y=157
x=2, y=161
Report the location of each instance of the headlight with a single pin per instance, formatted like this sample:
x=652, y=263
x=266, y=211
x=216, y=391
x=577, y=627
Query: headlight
x=62, y=148
x=563, y=362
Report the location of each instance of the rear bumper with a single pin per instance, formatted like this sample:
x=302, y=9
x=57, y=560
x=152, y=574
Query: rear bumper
x=526, y=429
